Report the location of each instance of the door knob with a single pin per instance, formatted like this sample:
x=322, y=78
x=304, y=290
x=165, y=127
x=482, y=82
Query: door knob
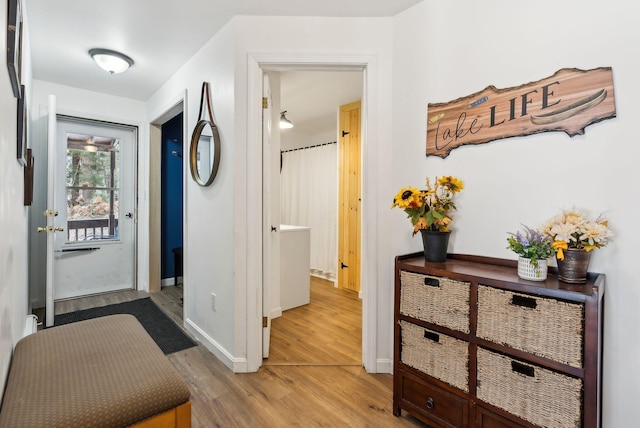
x=129, y=215
x=342, y=265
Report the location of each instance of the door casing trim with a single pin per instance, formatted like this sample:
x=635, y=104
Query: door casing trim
x=257, y=64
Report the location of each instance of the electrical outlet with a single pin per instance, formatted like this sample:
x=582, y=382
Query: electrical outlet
x=213, y=301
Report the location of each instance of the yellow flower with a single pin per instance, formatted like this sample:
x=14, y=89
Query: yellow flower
x=559, y=246
x=420, y=224
x=453, y=184
x=429, y=208
x=407, y=197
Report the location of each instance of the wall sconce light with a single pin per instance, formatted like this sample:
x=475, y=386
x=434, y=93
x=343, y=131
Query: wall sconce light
x=90, y=145
x=284, y=122
x=111, y=61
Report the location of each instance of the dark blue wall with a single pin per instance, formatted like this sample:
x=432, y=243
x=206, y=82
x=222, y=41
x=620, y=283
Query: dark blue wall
x=171, y=193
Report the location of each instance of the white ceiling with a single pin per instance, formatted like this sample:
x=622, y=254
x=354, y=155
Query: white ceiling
x=312, y=99
x=160, y=35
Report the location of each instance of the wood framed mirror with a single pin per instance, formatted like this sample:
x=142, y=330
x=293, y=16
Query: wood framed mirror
x=204, y=152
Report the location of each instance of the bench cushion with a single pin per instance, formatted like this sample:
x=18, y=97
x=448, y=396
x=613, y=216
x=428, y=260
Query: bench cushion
x=103, y=372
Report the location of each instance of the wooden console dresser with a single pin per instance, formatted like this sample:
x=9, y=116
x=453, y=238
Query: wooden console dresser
x=476, y=346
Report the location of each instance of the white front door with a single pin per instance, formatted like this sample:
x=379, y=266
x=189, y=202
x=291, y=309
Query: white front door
x=94, y=195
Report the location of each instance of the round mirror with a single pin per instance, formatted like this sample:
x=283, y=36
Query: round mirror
x=204, y=152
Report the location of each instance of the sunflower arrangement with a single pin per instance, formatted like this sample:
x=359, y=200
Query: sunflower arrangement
x=429, y=209
x=570, y=229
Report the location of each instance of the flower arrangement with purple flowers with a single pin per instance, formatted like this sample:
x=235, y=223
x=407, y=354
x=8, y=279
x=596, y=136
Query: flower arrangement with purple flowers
x=531, y=244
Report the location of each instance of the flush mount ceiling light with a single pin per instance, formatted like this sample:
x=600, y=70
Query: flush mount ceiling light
x=284, y=122
x=111, y=61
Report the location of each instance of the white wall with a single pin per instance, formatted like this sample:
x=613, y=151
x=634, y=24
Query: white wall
x=224, y=233
x=13, y=214
x=212, y=236
x=293, y=140
x=460, y=47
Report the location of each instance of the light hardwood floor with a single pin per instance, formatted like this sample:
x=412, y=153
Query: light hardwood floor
x=327, y=331
x=313, y=376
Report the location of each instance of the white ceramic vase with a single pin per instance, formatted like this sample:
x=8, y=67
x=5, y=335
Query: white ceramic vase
x=530, y=272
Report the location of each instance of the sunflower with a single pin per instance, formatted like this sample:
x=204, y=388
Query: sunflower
x=429, y=208
x=453, y=184
x=408, y=197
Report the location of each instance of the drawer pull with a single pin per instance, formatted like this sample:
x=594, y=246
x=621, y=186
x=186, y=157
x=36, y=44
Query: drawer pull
x=522, y=369
x=432, y=282
x=432, y=336
x=526, y=302
x=430, y=404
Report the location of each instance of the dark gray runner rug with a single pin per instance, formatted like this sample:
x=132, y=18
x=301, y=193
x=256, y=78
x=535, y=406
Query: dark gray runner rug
x=169, y=337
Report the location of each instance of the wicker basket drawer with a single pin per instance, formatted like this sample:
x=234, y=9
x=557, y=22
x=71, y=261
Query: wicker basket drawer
x=542, y=326
x=535, y=394
x=438, y=355
x=434, y=299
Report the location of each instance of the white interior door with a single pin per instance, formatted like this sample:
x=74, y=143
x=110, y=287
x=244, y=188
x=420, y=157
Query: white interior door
x=93, y=190
x=269, y=234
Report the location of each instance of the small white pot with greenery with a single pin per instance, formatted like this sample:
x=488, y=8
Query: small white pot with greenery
x=533, y=248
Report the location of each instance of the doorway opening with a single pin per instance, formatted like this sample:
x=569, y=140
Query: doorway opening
x=167, y=195
x=327, y=328
x=171, y=188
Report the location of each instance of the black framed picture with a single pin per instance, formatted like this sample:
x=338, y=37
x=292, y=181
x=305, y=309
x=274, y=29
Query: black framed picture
x=28, y=177
x=14, y=45
x=21, y=127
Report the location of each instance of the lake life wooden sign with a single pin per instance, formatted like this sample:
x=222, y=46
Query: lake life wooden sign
x=568, y=101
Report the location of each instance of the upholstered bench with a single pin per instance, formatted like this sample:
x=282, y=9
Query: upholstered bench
x=103, y=372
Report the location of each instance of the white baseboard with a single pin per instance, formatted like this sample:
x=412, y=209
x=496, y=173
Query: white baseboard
x=165, y=282
x=384, y=365
x=30, y=325
x=323, y=275
x=237, y=365
x=275, y=313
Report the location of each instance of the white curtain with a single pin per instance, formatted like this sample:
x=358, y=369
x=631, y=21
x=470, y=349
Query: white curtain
x=309, y=197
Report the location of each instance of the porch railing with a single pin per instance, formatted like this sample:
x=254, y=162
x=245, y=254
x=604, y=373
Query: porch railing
x=90, y=229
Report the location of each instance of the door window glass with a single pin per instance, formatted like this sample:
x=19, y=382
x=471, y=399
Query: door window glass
x=92, y=187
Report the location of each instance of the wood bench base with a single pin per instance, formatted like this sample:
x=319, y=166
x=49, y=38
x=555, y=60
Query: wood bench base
x=178, y=417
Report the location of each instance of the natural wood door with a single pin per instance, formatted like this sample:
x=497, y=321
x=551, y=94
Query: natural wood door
x=349, y=197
